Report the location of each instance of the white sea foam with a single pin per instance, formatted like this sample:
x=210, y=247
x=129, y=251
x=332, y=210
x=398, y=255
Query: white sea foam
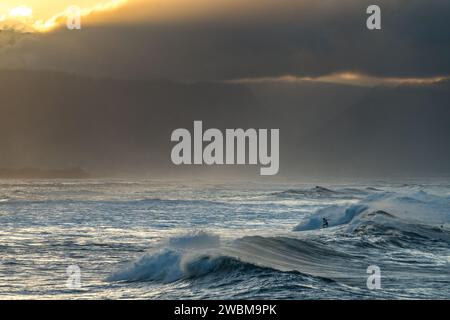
x=418, y=207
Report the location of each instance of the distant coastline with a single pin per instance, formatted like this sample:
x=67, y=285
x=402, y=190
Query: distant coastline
x=38, y=173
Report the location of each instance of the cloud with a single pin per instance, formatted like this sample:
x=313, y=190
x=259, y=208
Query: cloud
x=23, y=15
x=61, y=18
x=312, y=39
x=345, y=78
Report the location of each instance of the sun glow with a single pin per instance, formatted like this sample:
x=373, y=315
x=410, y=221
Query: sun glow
x=21, y=12
x=46, y=20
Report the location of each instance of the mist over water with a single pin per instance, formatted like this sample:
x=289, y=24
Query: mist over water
x=157, y=239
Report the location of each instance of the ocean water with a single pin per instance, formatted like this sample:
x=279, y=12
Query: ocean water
x=114, y=239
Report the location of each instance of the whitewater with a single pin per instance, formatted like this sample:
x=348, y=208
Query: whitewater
x=153, y=239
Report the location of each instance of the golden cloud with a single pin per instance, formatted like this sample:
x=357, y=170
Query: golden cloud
x=23, y=15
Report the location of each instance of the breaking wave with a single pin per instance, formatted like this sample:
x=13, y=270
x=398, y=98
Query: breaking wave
x=169, y=265
x=359, y=232
x=319, y=192
x=419, y=208
x=336, y=215
x=247, y=255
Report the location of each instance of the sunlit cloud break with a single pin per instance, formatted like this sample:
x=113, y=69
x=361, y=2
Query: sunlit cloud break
x=24, y=14
x=347, y=78
x=61, y=18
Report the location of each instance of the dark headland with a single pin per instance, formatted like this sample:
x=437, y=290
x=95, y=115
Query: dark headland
x=37, y=173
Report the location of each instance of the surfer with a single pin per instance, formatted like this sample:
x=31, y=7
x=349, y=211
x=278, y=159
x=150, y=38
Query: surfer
x=324, y=223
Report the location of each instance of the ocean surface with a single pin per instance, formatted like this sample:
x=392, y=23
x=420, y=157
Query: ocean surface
x=115, y=239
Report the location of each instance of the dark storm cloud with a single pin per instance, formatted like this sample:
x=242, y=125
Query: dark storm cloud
x=312, y=39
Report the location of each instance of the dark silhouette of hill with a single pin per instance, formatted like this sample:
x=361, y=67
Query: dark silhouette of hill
x=392, y=129
x=36, y=173
x=57, y=120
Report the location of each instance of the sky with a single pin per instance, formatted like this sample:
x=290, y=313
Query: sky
x=42, y=16
x=44, y=9
x=309, y=67
x=231, y=40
